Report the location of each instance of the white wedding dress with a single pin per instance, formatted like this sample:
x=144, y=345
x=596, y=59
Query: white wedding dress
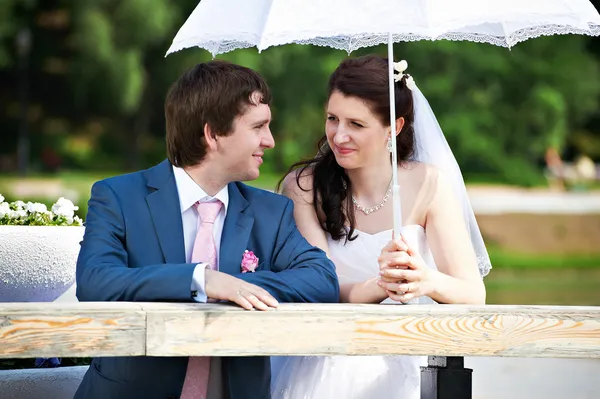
x=355, y=377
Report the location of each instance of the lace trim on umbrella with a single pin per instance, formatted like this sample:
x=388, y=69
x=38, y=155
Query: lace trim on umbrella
x=354, y=42
x=350, y=43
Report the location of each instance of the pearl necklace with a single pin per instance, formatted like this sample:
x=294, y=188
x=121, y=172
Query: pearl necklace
x=372, y=209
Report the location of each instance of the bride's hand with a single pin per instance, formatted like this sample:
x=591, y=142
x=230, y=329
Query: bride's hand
x=404, y=273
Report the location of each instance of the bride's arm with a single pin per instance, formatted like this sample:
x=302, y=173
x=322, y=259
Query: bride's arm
x=308, y=224
x=364, y=292
x=458, y=280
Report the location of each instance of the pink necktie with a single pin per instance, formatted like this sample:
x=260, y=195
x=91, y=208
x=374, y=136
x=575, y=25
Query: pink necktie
x=196, y=379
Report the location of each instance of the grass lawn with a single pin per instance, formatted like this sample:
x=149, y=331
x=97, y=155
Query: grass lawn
x=502, y=259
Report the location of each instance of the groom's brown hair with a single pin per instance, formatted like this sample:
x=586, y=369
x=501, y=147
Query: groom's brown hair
x=213, y=94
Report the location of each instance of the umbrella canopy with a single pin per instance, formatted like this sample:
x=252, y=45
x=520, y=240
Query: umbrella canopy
x=220, y=26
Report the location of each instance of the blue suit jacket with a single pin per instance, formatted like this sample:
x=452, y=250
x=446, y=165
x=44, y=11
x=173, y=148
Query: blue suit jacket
x=133, y=250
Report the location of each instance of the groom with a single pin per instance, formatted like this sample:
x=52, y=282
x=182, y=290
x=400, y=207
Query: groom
x=186, y=230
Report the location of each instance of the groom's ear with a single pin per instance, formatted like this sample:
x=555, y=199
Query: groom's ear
x=209, y=138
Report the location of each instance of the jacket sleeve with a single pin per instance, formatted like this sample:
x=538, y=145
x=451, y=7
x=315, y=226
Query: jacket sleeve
x=299, y=272
x=102, y=272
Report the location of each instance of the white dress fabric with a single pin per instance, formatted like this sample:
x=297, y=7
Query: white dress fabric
x=355, y=377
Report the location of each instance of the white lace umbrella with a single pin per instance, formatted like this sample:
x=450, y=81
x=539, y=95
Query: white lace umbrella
x=220, y=26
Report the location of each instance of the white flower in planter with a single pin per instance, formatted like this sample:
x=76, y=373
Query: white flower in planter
x=65, y=208
x=19, y=213
x=4, y=208
x=35, y=207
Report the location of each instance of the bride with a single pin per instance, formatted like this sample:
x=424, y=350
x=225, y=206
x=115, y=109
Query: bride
x=341, y=200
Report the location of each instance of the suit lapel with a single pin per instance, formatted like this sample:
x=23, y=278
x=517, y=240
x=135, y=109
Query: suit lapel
x=165, y=211
x=236, y=231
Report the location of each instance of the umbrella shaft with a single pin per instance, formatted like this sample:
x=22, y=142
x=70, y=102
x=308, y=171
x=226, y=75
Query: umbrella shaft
x=396, y=187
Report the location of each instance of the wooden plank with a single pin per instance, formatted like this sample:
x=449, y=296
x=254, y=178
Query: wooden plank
x=321, y=329
x=176, y=329
x=30, y=330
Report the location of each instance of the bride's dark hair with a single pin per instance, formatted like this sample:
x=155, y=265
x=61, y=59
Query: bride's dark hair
x=365, y=78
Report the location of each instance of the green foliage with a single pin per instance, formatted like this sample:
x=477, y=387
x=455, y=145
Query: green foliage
x=111, y=39
x=501, y=109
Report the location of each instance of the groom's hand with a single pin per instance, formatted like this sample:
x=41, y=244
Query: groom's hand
x=223, y=287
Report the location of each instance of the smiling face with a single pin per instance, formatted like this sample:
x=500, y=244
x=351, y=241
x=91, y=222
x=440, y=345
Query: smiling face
x=356, y=136
x=240, y=153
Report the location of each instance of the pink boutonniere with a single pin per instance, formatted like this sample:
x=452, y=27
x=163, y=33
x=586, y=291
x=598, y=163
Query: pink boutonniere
x=249, y=262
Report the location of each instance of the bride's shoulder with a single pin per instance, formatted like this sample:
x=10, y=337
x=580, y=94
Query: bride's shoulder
x=431, y=183
x=423, y=172
x=298, y=185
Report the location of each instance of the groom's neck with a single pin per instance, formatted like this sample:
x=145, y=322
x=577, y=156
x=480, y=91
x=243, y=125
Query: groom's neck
x=208, y=180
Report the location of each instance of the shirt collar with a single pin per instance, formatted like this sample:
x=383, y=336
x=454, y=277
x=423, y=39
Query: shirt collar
x=190, y=192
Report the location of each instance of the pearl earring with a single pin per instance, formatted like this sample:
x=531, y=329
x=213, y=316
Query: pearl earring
x=389, y=145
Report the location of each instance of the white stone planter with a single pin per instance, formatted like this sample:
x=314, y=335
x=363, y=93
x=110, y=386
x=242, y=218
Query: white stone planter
x=37, y=263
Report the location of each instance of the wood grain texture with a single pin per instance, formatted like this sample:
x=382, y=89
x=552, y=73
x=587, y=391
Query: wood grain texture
x=442, y=330
x=30, y=330
x=164, y=329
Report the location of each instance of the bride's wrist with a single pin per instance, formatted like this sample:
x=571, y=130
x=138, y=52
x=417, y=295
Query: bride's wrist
x=434, y=284
x=377, y=293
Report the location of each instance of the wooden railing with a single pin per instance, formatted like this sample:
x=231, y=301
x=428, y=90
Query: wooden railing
x=446, y=333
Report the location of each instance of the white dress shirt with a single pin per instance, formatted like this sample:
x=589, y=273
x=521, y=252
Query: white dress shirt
x=190, y=193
